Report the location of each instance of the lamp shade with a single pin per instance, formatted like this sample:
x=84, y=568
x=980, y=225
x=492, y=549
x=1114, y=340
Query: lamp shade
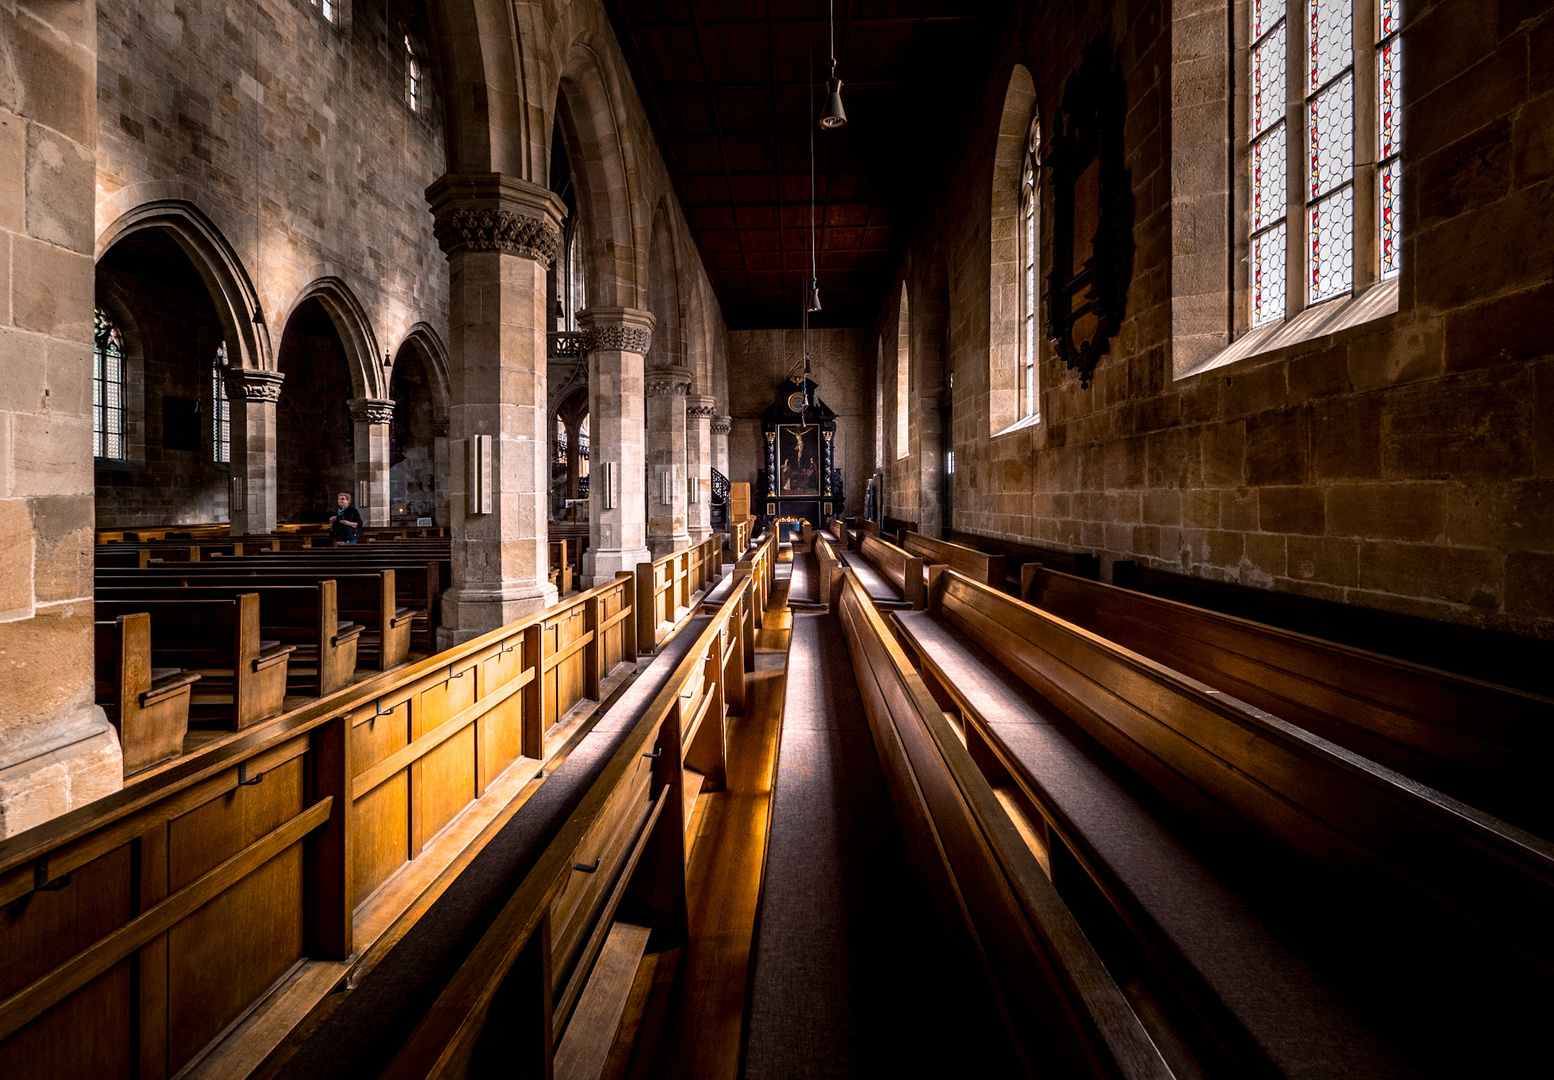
x=814, y=299
x=835, y=117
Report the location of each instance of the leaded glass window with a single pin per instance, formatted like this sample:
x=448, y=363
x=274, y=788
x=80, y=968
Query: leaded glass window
x=1306, y=162
x=1389, y=131
x=326, y=8
x=412, y=77
x=220, y=409
x=107, y=389
x=1030, y=240
x=1270, y=180
x=903, y=360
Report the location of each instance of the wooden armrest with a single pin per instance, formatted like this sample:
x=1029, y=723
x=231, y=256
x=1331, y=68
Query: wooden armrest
x=404, y=613
x=167, y=687
x=348, y=631
x=273, y=655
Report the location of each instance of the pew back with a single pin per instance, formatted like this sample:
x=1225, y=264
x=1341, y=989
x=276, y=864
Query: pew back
x=902, y=569
x=977, y=565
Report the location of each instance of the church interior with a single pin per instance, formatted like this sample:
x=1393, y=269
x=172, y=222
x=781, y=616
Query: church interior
x=722, y=539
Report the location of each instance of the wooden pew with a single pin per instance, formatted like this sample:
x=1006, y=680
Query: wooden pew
x=828, y=565
x=560, y=567
x=242, y=675
x=188, y=924
x=1247, y=778
x=1079, y=563
x=149, y=705
x=1507, y=659
x=892, y=576
x=304, y=616
x=977, y=565
x=543, y=989
x=667, y=585
x=1490, y=746
x=1063, y=1009
x=369, y=599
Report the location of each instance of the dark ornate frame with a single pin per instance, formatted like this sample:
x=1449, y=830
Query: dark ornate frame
x=1090, y=127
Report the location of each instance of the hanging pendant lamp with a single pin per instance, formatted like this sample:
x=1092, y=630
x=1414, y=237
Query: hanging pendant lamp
x=835, y=117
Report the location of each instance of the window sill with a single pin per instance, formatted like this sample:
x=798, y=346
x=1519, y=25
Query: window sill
x=1328, y=317
x=1019, y=425
x=103, y=464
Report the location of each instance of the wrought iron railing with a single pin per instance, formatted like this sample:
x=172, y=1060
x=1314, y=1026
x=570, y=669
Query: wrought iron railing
x=565, y=345
x=719, y=487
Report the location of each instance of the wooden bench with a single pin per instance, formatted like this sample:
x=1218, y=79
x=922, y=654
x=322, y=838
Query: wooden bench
x=149, y=705
x=977, y=565
x=1507, y=659
x=668, y=587
x=1247, y=778
x=829, y=563
x=1064, y=1011
x=1016, y=555
x=894, y=528
x=890, y=575
x=560, y=567
x=304, y=616
x=1489, y=746
x=242, y=675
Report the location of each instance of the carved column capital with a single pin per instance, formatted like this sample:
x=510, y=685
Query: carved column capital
x=492, y=212
x=616, y=329
x=252, y=385
x=668, y=383
x=372, y=411
x=722, y=425
x=701, y=405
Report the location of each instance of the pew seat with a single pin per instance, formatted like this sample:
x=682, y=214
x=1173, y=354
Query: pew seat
x=890, y=576
x=149, y=705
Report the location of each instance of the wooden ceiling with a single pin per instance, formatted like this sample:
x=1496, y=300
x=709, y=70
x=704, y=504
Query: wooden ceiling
x=733, y=89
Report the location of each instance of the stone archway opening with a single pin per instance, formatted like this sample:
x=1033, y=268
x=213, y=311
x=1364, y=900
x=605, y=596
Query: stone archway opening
x=315, y=437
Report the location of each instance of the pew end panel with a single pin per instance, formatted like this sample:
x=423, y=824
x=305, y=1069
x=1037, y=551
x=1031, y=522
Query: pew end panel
x=148, y=705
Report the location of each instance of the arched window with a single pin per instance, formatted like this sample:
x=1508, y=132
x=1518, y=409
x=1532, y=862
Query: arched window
x=903, y=361
x=576, y=298
x=1030, y=248
x=220, y=409
x=413, y=88
x=107, y=389
x=879, y=406
x=1336, y=218
x=329, y=9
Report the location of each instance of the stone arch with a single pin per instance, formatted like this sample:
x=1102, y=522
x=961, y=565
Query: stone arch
x=603, y=171
x=664, y=295
x=232, y=291
x=1004, y=251
x=434, y=355
x=369, y=377
x=481, y=67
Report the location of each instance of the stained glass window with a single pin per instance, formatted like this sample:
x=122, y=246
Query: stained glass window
x=903, y=359
x=221, y=409
x=326, y=8
x=1389, y=135
x=107, y=389
x=1030, y=238
x=1270, y=177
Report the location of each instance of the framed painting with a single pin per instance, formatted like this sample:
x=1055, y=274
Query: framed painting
x=798, y=459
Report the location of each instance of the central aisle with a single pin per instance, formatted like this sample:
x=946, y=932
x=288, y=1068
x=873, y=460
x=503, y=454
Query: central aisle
x=852, y=976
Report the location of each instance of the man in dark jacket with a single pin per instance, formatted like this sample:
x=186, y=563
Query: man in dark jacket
x=346, y=526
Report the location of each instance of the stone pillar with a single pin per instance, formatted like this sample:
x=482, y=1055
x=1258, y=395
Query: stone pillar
x=698, y=463
x=441, y=465
x=617, y=339
x=372, y=419
x=720, y=429
x=666, y=500
x=57, y=750
x=252, y=495
x=500, y=235
x=574, y=456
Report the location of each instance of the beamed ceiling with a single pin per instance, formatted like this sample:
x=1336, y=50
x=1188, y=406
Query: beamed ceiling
x=733, y=89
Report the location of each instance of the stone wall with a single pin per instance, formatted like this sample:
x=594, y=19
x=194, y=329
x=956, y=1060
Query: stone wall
x=1404, y=463
x=759, y=361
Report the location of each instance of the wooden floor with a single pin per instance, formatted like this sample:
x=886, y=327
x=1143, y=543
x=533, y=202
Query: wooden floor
x=698, y=1025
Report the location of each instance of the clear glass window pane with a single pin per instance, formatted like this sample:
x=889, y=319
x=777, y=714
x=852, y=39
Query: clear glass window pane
x=1269, y=190
x=1332, y=40
x=1269, y=85
x=1332, y=136
x=1332, y=245
x=1267, y=275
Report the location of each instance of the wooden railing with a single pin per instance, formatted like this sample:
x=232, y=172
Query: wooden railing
x=665, y=587
x=1065, y=1014
x=762, y=567
x=150, y=921
x=622, y=852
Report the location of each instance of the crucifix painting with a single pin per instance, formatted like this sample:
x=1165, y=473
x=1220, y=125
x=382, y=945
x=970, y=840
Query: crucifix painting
x=799, y=459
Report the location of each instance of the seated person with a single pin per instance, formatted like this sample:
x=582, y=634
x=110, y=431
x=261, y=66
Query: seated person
x=346, y=525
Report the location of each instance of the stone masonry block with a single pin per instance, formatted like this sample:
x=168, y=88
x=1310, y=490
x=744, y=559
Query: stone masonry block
x=1277, y=448
x=1324, y=559
x=1529, y=584
x=1387, y=511
x=1458, y=575
x=1292, y=510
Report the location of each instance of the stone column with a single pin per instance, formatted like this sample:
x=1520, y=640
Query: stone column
x=373, y=419
x=500, y=235
x=666, y=500
x=698, y=463
x=252, y=498
x=617, y=339
x=441, y=465
x=720, y=429
x=57, y=750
